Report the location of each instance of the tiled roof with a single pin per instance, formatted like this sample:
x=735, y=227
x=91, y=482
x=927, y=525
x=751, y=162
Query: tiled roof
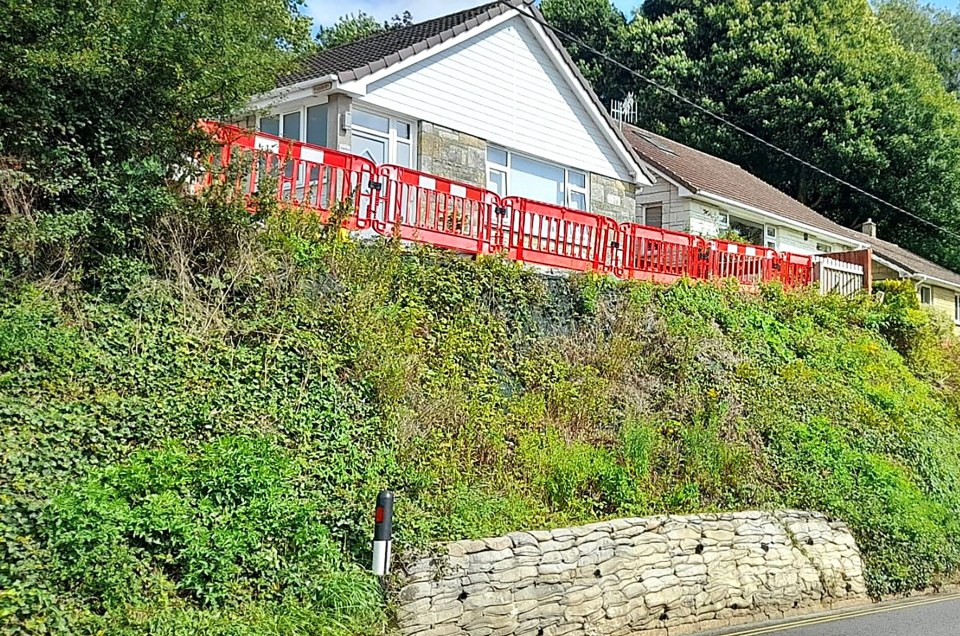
x=699, y=172
x=911, y=262
x=369, y=55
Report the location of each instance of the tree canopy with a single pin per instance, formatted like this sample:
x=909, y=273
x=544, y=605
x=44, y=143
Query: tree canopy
x=928, y=30
x=825, y=79
x=97, y=101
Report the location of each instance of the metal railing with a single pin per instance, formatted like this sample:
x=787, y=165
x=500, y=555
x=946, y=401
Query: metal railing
x=419, y=207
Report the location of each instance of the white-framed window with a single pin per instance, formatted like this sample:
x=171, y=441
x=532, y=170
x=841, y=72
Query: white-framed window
x=754, y=232
x=926, y=295
x=751, y=231
x=513, y=174
x=770, y=237
x=823, y=248
x=956, y=309
x=383, y=138
x=307, y=123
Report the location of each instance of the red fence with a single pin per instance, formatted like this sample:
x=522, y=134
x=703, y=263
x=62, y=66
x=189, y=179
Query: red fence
x=397, y=201
x=650, y=253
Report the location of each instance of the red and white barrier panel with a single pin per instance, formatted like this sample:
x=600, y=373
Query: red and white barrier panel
x=795, y=270
x=308, y=176
x=428, y=209
x=749, y=264
x=648, y=253
x=397, y=201
x=553, y=236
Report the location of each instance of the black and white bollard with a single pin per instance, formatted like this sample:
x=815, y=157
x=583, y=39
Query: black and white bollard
x=382, y=533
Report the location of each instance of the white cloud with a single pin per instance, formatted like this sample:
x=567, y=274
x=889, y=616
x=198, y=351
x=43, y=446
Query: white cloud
x=326, y=12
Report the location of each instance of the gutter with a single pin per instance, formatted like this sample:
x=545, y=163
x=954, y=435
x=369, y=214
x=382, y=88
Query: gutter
x=306, y=86
x=923, y=278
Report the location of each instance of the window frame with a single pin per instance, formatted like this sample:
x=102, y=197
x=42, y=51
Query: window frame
x=771, y=237
x=734, y=221
x=956, y=309
x=392, y=137
x=281, y=114
x=568, y=188
x=929, y=290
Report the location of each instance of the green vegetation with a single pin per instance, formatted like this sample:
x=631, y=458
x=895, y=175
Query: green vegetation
x=929, y=30
x=196, y=448
x=198, y=406
x=99, y=101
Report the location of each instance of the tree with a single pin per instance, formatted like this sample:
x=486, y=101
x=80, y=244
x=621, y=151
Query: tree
x=824, y=79
x=927, y=30
x=601, y=25
x=350, y=28
x=98, y=101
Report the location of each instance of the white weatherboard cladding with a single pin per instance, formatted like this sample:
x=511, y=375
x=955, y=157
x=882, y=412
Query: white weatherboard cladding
x=793, y=241
x=502, y=86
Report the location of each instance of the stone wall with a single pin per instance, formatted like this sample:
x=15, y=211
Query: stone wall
x=661, y=575
x=454, y=155
x=613, y=198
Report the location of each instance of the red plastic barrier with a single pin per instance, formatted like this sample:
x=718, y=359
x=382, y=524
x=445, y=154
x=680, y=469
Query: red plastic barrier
x=416, y=206
x=310, y=176
x=795, y=270
x=428, y=209
x=749, y=264
x=649, y=253
x=545, y=234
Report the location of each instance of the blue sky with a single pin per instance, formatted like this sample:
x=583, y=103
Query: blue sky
x=327, y=11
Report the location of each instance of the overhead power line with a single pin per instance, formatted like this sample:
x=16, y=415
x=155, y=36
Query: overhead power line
x=726, y=122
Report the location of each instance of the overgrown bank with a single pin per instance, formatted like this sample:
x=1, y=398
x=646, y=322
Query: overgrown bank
x=194, y=447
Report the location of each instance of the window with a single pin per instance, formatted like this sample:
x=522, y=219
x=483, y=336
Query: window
x=577, y=190
x=755, y=233
x=771, y=237
x=304, y=124
x=751, y=232
x=956, y=309
x=270, y=125
x=823, y=248
x=653, y=216
x=383, y=139
x=926, y=295
x=317, y=125
x=512, y=174
x=291, y=126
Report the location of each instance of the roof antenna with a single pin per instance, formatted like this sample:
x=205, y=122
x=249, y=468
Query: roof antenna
x=624, y=111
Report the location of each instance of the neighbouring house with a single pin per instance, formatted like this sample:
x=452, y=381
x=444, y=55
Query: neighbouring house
x=937, y=286
x=483, y=96
x=699, y=193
